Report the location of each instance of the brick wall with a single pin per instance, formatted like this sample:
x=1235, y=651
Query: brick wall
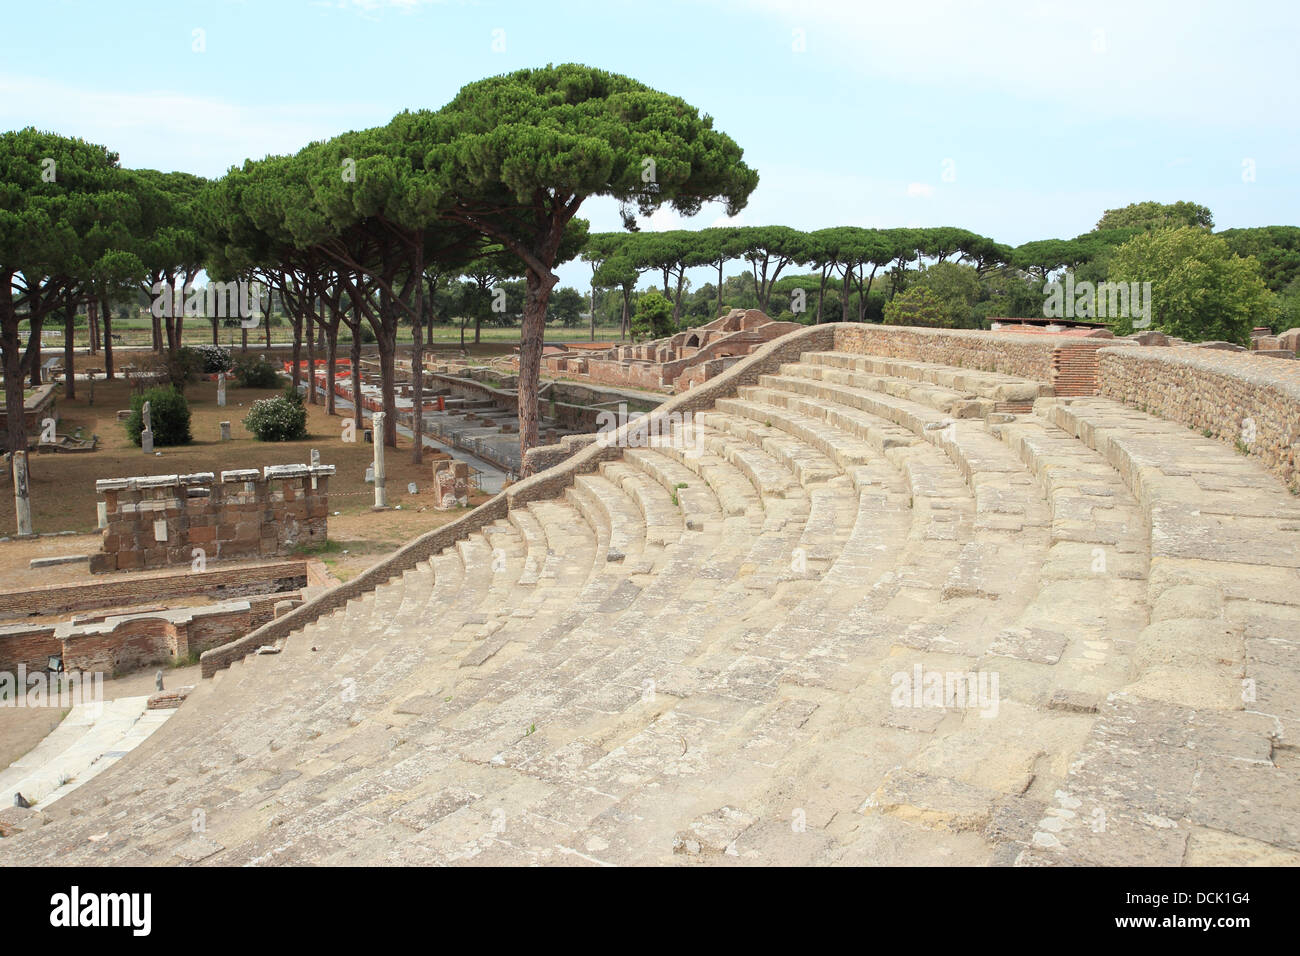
x=28, y=644
x=277, y=577
x=123, y=642
x=1235, y=396
x=160, y=520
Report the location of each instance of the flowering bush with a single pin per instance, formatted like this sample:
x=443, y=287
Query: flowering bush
x=214, y=358
x=282, y=418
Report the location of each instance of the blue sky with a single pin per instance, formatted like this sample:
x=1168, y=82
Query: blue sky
x=1019, y=120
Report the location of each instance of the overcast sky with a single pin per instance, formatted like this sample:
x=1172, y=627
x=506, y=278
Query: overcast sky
x=1017, y=120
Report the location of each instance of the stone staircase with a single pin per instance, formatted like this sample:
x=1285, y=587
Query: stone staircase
x=855, y=611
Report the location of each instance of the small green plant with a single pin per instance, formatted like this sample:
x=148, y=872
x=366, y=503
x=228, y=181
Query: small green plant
x=1242, y=447
x=169, y=414
x=282, y=418
x=1207, y=433
x=255, y=373
x=183, y=368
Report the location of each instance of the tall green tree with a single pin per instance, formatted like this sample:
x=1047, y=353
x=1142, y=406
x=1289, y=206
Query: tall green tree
x=566, y=306
x=1156, y=215
x=1277, y=249
x=65, y=214
x=1200, y=289
x=171, y=246
x=518, y=154
x=769, y=250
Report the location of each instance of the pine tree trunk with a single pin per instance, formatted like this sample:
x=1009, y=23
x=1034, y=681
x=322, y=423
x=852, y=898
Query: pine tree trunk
x=69, y=350
x=331, y=359
x=358, y=415
x=531, y=341
x=108, y=338
x=13, y=367
x=309, y=333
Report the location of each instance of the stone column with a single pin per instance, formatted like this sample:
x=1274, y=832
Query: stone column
x=377, y=430
x=22, y=495
x=221, y=389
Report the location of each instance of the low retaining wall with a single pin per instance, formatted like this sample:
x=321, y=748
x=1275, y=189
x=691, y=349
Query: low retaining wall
x=1246, y=400
x=39, y=405
x=1011, y=353
x=161, y=520
x=224, y=582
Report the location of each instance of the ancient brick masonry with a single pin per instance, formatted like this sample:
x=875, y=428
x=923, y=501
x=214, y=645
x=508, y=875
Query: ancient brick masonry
x=679, y=361
x=160, y=520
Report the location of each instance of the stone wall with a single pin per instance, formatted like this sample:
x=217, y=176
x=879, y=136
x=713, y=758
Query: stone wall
x=1011, y=353
x=1244, y=399
x=37, y=407
x=160, y=520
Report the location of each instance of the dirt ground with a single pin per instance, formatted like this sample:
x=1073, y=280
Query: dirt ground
x=63, y=484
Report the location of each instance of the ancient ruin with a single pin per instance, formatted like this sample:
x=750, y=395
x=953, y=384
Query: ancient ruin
x=903, y=596
x=158, y=520
x=677, y=362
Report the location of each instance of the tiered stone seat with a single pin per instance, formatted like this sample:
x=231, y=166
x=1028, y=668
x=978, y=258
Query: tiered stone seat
x=695, y=651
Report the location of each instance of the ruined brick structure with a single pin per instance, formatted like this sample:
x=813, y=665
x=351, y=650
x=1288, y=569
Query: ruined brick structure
x=450, y=484
x=677, y=362
x=160, y=520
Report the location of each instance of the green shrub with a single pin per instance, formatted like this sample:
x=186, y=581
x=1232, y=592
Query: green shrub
x=256, y=373
x=282, y=418
x=182, y=368
x=169, y=413
x=653, y=318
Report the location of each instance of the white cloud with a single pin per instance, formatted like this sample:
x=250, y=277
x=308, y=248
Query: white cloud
x=920, y=190
x=169, y=130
